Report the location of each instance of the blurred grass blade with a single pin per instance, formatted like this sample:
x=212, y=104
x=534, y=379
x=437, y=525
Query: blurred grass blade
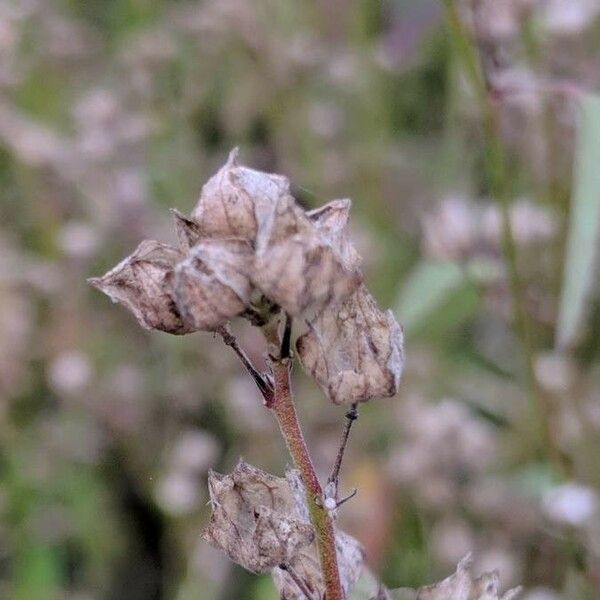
x=427, y=287
x=438, y=295
x=583, y=237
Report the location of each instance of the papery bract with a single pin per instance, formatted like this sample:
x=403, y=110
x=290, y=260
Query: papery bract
x=211, y=286
x=353, y=350
x=143, y=283
x=253, y=519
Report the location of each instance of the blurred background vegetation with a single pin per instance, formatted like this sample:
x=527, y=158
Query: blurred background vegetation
x=476, y=199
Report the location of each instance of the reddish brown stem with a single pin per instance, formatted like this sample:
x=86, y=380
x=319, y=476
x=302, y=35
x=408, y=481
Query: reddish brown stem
x=285, y=412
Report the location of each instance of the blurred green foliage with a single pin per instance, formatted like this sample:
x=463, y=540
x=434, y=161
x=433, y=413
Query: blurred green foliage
x=112, y=111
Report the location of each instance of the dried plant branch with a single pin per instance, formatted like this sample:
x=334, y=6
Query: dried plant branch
x=263, y=384
x=250, y=251
x=284, y=410
x=297, y=580
x=351, y=416
x=286, y=339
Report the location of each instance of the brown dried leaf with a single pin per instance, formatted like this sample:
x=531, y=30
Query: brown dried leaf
x=353, y=350
x=211, y=286
x=142, y=283
x=462, y=585
x=253, y=519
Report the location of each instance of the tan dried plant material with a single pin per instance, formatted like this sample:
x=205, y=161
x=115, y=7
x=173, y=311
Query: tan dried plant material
x=254, y=520
x=332, y=221
x=142, y=283
x=211, y=286
x=261, y=522
x=303, y=260
x=305, y=564
x=354, y=350
x=188, y=231
x=236, y=199
x=463, y=585
x=296, y=266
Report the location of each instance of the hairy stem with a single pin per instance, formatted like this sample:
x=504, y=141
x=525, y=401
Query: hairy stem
x=284, y=410
x=497, y=172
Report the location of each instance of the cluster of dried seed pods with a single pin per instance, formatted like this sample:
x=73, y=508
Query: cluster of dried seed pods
x=248, y=245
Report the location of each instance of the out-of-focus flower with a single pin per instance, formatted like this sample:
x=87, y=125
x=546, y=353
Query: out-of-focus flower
x=70, y=372
x=571, y=504
x=451, y=539
x=462, y=229
x=442, y=449
x=178, y=493
x=568, y=17
x=78, y=240
x=555, y=372
x=194, y=452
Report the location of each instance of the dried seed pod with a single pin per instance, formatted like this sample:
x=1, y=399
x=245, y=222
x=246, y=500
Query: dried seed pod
x=235, y=198
x=305, y=564
x=188, y=231
x=142, y=283
x=306, y=261
x=253, y=519
x=353, y=350
x=301, y=273
x=462, y=585
x=332, y=221
x=211, y=286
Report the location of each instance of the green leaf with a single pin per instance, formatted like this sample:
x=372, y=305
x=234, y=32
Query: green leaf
x=37, y=574
x=582, y=243
x=437, y=295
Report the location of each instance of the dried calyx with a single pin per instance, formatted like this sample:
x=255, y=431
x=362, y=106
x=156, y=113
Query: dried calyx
x=462, y=585
x=261, y=522
x=250, y=250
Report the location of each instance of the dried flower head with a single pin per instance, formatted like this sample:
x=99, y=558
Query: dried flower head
x=249, y=244
x=143, y=283
x=353, y=350
x=261, y=522
x=211, y=285
x=463, y=585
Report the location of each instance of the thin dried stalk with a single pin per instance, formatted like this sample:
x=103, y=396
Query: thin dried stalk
x=284, y=409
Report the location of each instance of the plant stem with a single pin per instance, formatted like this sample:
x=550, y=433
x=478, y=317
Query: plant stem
x=284, y=410
x=351, y=416
x=497, y=172
x=261, y=381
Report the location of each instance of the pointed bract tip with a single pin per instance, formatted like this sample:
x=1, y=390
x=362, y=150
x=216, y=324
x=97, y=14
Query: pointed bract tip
x=232, y=159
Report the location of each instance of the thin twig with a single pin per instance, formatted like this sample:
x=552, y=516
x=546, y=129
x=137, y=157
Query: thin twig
x=264, y=385
x=286, y=339
x=297, y=580
x=351, y=416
